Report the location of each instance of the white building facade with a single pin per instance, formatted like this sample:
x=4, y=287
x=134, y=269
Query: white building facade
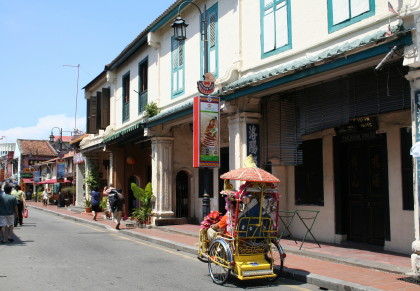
x=328, y=87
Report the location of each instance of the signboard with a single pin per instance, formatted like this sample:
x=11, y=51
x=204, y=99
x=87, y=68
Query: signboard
x=206, y=87
x=206, y=132
x=61, y=166
x=253, y=141
x=37, y=176
x=26, y=175
x=78, y=158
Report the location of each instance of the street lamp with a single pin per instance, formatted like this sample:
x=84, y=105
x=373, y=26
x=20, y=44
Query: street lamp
x=61, y=137
x=180, y=30
x=180, y=34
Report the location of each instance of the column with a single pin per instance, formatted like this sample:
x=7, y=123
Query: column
x=414, y=78
x=238, y=139
x=80, y=169
x=162, y=160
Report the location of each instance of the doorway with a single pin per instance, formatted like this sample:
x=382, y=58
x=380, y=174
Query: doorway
x=182, y=194
x=132, y=201
x=224, y=168
x=364, y=189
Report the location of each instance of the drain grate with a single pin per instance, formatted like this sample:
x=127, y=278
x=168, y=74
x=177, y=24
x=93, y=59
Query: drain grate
x=410, y=280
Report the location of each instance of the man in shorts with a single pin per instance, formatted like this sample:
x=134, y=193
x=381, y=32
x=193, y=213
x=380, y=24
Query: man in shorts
x=8, y=210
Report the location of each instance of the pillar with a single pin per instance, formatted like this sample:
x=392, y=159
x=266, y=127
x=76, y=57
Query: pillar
x=238, y=139
x=80, y=177
x=162, y=161
x=414, y=78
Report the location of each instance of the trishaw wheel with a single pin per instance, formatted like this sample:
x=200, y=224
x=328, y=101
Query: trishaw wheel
x=220, y=258
x=275, y=254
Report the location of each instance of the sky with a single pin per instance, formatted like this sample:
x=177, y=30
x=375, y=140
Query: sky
x=41, y=44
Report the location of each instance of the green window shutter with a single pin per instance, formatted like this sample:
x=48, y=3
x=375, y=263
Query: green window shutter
x=177, y=67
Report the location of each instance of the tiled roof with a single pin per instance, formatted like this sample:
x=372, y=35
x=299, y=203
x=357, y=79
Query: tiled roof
x=35, y=147
x=64, y=138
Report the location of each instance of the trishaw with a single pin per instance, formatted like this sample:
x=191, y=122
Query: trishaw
x=249, y=248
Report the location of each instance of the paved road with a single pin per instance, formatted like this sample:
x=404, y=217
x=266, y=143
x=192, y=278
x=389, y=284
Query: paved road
x=54, y=253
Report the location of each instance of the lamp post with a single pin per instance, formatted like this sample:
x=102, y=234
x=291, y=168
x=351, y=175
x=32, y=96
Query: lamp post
x=61, y=137
x=180, y=34
x=180, y=31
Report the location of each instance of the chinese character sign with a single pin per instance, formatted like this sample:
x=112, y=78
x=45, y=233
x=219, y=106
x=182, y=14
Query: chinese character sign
x=252, y=141
x=206, y=131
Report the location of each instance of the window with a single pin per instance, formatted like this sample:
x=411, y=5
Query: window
x=91, y=115
x=126, y=97
x=212, y=37
x=342, y=13
x=177, y=67
x=143, y=68
x=309, y=177
x=275, y=24
x=407, y=169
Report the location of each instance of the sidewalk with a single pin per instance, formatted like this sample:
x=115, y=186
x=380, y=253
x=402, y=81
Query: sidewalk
x=344, y=267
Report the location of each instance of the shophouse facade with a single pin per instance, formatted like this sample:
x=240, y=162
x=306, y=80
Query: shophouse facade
x=327, y=87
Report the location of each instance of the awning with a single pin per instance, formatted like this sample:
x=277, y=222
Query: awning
x=28, y=181
x=53, y=181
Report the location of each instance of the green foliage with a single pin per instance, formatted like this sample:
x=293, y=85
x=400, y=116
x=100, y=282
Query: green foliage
x=88, y=203
x=71, y=190
x=145, y=197
x=102, y=204
x=152, y=109
x=92, y=178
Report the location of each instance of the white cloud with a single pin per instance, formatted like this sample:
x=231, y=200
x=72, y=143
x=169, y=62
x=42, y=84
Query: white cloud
x=42, y=129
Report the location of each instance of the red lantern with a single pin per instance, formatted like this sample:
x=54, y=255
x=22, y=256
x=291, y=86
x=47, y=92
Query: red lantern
x=131, y=160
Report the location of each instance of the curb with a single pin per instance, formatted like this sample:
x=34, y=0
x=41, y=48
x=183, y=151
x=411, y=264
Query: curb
x=298, y=275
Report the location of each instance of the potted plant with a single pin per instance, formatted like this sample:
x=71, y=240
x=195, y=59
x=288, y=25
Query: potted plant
x=92, y=178
x=88, y=205
x=145, y=196
x=152, y=109
x=103, y=205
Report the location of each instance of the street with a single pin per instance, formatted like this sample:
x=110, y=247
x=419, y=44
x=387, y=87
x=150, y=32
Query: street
x=54, y=253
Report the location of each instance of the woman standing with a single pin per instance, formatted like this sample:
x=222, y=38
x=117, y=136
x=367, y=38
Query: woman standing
x=95, y=200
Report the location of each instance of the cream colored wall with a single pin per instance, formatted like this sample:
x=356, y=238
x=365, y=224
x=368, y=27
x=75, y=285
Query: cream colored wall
x=309, y=28
x=324, y=227
x=401, y=221
x=228, y=47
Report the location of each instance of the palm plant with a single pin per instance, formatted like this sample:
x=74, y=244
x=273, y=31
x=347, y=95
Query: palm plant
x=145, y=197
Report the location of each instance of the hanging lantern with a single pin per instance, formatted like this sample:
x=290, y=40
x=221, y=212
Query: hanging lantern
x=131, y=160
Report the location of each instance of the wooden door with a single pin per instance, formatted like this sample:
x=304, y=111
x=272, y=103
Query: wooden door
x=365, y=174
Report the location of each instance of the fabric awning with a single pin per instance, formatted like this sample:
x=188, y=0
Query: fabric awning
x=53, y=181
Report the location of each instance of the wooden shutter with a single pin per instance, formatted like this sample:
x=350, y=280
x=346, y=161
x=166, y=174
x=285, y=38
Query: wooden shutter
x=98, y=111
x=92, y=114
x=105, y=107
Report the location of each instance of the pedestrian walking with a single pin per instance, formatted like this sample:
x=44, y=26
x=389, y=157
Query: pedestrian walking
x=45, y=197
x=21, y=204
x=106, y=191
x=95, y=200
x=116, y=201
x=8, y=210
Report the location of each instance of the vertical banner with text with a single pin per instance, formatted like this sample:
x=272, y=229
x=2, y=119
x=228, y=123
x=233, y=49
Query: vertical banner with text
x=60, y=170
x=253, y=141
x=206, y=132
